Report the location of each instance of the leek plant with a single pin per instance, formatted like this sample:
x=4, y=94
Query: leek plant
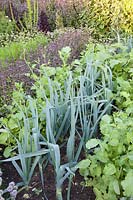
x=29, y=149
x=62, y=171
x=74, y=114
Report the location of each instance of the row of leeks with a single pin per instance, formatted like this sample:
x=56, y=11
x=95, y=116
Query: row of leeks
x=72, y=115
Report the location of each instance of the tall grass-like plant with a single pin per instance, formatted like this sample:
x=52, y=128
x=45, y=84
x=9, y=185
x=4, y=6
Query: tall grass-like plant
x=12, y=16
x=29, y=12
x=32, y=17
x=36, y=13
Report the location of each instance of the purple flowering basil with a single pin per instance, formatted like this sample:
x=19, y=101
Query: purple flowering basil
x=13, y=193
x=12, y=184
x=10, y=188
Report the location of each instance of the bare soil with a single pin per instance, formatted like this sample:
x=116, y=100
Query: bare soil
x=34, y=191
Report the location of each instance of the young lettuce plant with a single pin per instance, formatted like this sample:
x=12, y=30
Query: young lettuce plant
x=64, y=55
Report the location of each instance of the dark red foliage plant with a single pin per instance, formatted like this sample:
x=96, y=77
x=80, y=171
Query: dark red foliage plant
x=76, y=39
x=43, y=24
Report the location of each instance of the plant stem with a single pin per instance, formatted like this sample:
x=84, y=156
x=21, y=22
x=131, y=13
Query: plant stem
x=59, y=193
x=69, y=187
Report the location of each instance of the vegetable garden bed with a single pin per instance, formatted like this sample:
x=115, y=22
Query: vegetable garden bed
x=66, y=100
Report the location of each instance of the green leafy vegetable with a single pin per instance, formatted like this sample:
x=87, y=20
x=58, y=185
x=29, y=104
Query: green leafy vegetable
x=111, y=165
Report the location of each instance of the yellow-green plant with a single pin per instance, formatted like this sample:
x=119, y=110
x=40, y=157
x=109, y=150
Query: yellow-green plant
x=59, y=20
x=29, y=12
x=105, y=15
x=127, y=15
x=30, y=18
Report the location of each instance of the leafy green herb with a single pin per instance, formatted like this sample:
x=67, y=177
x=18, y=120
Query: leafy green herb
x=109, y=169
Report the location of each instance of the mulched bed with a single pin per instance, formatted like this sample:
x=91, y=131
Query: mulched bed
x=16, y=72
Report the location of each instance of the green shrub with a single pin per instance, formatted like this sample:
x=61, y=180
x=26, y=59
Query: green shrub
x=104, y=15
x=110, y=168
x=70, y=11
